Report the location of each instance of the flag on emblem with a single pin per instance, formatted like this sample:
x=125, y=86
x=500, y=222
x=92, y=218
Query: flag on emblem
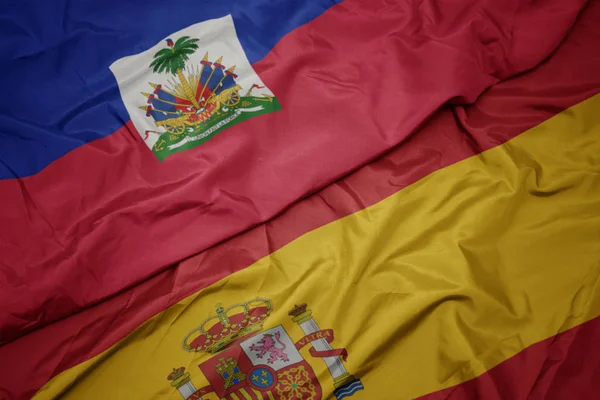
x=196, y=98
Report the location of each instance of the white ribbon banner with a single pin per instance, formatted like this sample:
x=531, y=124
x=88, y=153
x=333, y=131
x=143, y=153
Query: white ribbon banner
x=216, y=126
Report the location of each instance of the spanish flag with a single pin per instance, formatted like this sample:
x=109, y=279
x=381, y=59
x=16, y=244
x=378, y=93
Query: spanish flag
x=459, y=261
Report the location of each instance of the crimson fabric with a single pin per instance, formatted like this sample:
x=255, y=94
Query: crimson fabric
x=453, y=134
x=566, y=366
x=354, y=82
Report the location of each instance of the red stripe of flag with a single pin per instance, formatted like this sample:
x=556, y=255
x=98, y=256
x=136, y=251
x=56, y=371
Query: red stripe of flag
x=566, y=366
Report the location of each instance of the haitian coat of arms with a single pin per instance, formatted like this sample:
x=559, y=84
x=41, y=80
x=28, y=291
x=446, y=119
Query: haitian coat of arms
x=193, y=85
x=248, y=362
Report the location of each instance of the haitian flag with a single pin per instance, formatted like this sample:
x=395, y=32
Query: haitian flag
x=135, y=134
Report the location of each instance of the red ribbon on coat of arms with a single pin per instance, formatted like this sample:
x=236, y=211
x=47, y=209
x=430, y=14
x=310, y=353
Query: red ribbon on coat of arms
x=327, y=335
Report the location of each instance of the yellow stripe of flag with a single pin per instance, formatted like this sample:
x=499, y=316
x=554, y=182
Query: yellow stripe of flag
x=245, y=394
x=259, y=395
x=426, y=289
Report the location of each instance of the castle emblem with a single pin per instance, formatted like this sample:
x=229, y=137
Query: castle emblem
x=189, y=96
x=230, y=372
x=249, y=362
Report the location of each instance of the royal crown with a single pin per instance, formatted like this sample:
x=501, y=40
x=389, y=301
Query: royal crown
x=176, y=373
x=228, y=325
x=178, y=377
x=298, y=310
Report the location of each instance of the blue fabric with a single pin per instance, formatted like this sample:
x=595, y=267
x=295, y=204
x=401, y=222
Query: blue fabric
x=160, y=105
x=58, y=91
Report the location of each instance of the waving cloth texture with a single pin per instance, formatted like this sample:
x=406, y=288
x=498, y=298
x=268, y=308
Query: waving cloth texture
x=453, y=134
x=430, y=287
x=88, y=211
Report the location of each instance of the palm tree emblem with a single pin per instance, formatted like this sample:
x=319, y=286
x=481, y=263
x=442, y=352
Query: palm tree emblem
x=198, y=97
x=172, y=61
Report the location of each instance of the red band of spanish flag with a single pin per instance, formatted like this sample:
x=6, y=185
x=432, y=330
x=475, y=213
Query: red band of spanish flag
x=564, y=366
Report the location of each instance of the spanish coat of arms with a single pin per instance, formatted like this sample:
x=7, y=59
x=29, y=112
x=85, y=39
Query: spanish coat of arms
x=248, y=362
x=191, y=86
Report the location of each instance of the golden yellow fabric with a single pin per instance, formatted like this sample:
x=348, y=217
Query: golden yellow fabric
x=426, y=289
